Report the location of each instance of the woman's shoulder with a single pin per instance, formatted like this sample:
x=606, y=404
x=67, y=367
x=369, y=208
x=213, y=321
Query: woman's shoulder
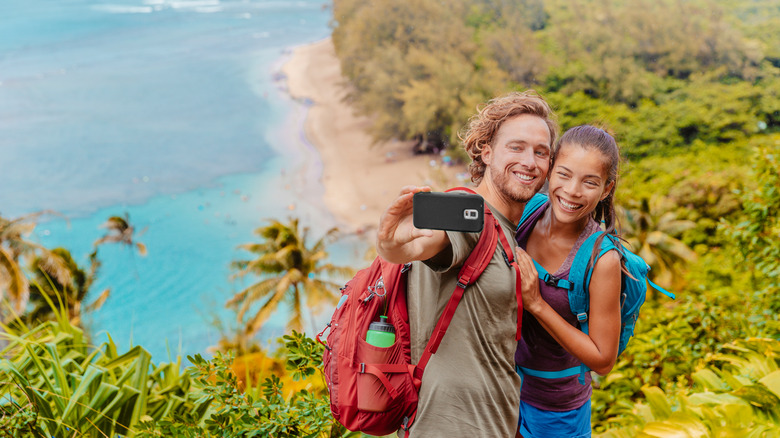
x=610, y=260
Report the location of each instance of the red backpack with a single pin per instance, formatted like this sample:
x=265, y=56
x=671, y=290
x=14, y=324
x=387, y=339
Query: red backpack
x=372, y=389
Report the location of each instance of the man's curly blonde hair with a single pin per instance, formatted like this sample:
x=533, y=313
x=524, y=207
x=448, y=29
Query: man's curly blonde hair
x=484, y=125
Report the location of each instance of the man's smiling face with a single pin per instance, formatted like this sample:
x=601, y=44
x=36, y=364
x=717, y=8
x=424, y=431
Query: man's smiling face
x=519, y=158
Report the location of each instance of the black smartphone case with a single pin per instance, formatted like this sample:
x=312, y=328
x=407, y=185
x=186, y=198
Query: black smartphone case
x=451, y=211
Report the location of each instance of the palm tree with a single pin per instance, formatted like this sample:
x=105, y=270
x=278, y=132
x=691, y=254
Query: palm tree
x=46, y=292
x=48, y=289
x=289, y=272
x=652, y=231
x=121, y=230
x=15, y=247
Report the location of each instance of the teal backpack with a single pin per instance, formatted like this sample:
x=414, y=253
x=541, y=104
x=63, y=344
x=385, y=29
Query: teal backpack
x=632, y=296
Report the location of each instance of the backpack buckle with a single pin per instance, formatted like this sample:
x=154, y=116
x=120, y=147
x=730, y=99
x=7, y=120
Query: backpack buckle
x=405, y=424
x=550, y=280
x=506, y=258
x=582, y=317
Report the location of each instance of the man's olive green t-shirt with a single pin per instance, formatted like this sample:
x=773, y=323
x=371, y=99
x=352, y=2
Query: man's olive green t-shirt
x=470, y=387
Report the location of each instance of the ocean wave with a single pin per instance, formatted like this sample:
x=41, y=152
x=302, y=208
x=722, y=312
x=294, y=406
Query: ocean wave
x=183, y=4
x=208, y=9
x=285, y=5
x=123, y=9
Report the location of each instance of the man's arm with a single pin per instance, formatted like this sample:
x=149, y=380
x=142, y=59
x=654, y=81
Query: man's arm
x=398, y=241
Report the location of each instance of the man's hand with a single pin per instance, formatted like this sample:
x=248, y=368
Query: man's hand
x=398, y=241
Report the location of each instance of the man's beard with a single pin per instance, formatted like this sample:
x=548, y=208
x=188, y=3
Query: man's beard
x=512, y=190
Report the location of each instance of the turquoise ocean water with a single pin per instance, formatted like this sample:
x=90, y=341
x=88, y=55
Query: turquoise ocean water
x=176, y=113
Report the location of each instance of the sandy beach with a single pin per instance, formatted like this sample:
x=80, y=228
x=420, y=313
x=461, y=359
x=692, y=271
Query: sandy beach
x=360, y=178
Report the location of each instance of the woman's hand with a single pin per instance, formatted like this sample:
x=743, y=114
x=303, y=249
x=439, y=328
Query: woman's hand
x=532, y=298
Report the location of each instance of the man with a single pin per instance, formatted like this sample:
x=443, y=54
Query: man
x=470, y=388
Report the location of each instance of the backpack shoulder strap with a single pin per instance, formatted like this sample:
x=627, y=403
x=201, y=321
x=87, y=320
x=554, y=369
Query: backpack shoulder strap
x=533, y=204
x=580, y=275
x=464, y=189
x=508, y=253
x=662, y=290
x=472, y=268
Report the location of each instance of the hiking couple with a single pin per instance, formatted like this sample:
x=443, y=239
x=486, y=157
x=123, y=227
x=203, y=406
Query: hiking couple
x=472, y=385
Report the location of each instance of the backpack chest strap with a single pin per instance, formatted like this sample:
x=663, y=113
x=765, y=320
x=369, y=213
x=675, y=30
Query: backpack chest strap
x=568, y=372
x=552, y=280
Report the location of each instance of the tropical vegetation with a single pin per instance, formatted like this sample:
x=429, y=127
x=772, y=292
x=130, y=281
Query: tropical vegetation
x=691, y=89
x=15, y=249
x=288, y=272
x=56, y=384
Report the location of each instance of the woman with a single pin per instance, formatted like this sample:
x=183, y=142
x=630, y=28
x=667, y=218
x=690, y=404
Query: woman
x=582, y=183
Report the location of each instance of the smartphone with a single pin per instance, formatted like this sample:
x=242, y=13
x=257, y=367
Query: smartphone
x=450, y=211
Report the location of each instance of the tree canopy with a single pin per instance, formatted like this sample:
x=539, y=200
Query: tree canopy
x=703, y=69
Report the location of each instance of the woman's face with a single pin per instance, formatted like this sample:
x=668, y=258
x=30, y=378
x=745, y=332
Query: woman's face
x=578, y=181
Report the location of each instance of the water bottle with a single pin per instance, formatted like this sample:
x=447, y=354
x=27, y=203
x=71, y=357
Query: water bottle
x=381, y=333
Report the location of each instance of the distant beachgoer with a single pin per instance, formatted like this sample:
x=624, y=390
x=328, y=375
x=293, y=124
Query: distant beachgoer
x=581, y=188
x=470, y=387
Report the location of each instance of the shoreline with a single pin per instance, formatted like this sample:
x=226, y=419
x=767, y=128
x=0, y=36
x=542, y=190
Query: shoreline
x=359, y=178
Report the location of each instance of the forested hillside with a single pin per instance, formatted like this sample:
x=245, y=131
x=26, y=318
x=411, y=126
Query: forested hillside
x=421, y=66
x=691, y=90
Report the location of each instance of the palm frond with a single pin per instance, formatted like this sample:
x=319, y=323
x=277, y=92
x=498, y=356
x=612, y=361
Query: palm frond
x=16, y=283
x=117, y=223
x=674, y=247
x=676, y=227
x=280, y=293
x=98, y=303
x=318, y=292
x=55, y=266
x=244, y=299
x=283, y=255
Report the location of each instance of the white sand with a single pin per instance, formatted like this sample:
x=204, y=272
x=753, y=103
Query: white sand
x=360, y=179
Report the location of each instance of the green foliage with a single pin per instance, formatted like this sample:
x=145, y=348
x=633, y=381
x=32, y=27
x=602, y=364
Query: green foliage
x=289, y=271
x=625, y=50
x=735, y=391
x=651, y=231
x=258, y=411
x=759, y=20
x=50, y=292
x=756, y=232
x=76, y=390
x=415, y=65
x=303, y=355
x=16, y=248
x=55, y=385
x=660, y=73
x=721, y=327
x=18, y=420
